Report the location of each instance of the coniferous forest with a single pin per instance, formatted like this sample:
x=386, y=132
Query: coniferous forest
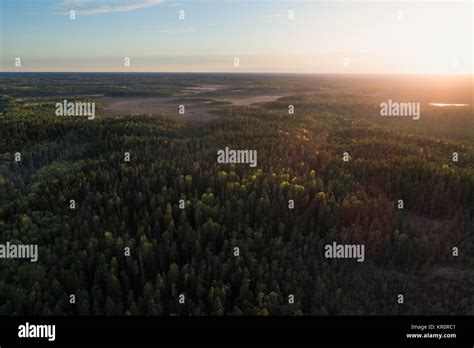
x=133, y=214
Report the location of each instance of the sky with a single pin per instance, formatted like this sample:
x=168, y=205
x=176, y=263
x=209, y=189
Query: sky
x=348, y=36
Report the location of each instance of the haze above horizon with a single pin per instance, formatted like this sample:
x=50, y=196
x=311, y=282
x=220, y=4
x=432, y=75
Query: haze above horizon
x=414, y=37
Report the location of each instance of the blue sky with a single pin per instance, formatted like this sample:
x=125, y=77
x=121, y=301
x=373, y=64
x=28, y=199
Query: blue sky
x=324, y=36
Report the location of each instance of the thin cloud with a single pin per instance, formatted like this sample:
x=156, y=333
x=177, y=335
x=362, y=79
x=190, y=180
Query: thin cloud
x=273, y=15
x=88, y=7
x=172, y=30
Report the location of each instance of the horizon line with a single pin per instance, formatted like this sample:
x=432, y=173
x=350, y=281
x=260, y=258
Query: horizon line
x=238, y=73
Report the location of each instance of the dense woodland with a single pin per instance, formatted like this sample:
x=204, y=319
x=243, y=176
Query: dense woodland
x=190, y=251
